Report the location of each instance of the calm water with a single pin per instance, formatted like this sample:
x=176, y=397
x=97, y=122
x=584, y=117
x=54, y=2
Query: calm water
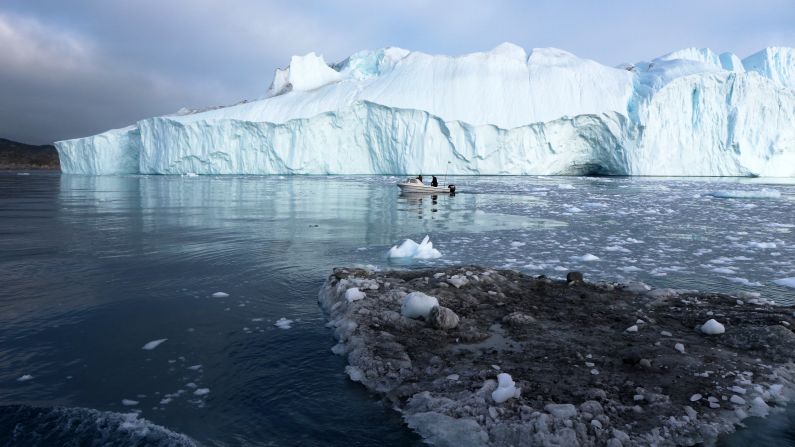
x=93, y=268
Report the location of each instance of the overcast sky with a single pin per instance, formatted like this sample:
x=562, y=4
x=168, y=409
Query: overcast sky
x=78, y=67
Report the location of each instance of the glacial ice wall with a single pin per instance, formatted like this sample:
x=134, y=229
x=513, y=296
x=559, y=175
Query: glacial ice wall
x=392, y=111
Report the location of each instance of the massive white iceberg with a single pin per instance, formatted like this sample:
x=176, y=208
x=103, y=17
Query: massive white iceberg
x=392, y=111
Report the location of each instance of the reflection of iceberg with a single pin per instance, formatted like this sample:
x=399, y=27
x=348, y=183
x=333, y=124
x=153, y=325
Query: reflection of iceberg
x=690, y=112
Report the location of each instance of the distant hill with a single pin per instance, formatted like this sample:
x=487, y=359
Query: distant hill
x=14, y=155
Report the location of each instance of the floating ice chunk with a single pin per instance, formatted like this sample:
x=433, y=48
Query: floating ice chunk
x=787, y=282
x=220, y=295
x=195, y=367
x=166, y=400
x=354, y=294
x=565, y=186
x=633, y=328
x=283, y=323
x=586, y=257
x=743, y=281
x=417, y=304
x=411, y=249
x=665, y=334
x=202, y=391
x=759, y=407
x=695, y=397
x=724, y=270
x=680, y=347
x=751, y=194
x=735, y=399
x=755, y=244
x=712, y=327
x=153, y=344
x=453, y=377
x=129, y=402
x=24, y=378
x=506, y=388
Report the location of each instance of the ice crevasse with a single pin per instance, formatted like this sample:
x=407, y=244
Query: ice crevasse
x=692, y=112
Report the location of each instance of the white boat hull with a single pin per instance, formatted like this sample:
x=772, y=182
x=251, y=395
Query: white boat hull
x=414, y=188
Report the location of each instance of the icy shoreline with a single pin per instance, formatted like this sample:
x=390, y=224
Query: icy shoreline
x=597, y=364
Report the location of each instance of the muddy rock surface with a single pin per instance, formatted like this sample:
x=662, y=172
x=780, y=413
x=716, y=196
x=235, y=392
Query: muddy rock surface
x=589, y=364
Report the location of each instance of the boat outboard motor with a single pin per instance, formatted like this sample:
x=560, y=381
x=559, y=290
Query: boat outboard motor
x=451, y=188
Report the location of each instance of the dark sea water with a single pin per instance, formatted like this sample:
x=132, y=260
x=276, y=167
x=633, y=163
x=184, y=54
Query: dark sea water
x=94, y=268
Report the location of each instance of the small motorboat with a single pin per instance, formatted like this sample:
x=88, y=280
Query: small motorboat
x=413, y=185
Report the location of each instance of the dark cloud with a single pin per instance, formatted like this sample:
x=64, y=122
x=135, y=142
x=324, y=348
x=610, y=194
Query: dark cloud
x=76, y=68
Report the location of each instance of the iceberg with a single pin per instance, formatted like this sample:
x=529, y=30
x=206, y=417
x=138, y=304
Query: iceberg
x=507, y=111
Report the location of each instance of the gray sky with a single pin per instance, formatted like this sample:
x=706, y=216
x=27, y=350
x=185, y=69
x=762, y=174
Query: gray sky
x=78, y=67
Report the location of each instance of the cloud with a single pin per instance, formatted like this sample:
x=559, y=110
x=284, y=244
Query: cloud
x=75, y=68
x=55, y=84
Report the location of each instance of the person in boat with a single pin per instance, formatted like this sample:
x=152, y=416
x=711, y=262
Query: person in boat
x=419, y=177
x=434, y=182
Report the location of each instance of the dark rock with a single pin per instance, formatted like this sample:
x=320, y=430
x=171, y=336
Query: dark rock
x=575, y=277
x=443, y=318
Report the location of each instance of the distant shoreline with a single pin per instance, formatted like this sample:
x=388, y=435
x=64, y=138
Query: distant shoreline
x=21, y=156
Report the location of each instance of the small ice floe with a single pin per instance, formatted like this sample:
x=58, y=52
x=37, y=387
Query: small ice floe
x=680, y=347
x=153, y=344
x=712, y=327
x=195, y=367
x=786, y=282
x=190, y=174
x=666, y=334
x=453, y=377
x=735, y=399
x=723, y=270
x=586, y=258
x=417, y=304
x=202, y=391
x=412, y=250
x=633, y=328
x=751, y=194
x=24, y=378
x=743, y=281
x=220, y=295
x=283, y=323
x=565, y=186
x=129, y=402
x=354, y=294
x=23, y=173
x=696, y=397
x=762, y=245
x=506, y=388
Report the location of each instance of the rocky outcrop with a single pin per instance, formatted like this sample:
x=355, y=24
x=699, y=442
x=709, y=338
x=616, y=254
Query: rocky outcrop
x=579, y=363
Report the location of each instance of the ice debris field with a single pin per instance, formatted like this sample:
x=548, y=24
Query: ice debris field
x=507, y=111
x=671, y=233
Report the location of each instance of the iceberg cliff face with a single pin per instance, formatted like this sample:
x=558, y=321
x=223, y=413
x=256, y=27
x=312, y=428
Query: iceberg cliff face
x=391, y=111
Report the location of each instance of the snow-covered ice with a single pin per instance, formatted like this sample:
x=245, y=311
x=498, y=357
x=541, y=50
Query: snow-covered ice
x=201, y=391
x=24, y=378
x=220, y=295
x=413, y=250
x=354, y=294
x=129, y=402
x=153, y=344
x=417, y=304
x=504, y=111
x=712, y=327
x=506, y=388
